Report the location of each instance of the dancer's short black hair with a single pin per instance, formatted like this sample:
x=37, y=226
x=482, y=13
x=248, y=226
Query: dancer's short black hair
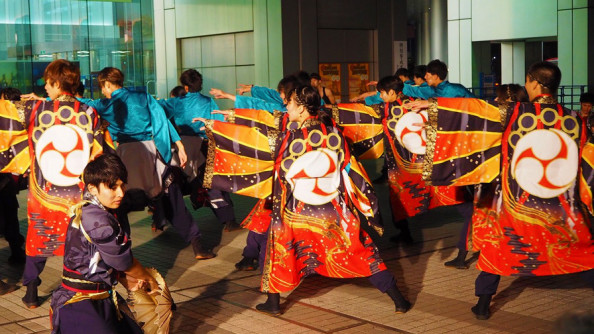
x=438, y=67
x=390, y=83
x=547, y=74
x=192, y=79
x=107, y=169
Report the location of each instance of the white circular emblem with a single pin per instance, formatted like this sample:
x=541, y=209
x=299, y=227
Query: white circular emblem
x=315, y=176
x=545, y=162
x=62, y=153
x=410, y=131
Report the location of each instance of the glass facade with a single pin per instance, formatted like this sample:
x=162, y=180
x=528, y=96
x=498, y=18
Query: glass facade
x=93, y=34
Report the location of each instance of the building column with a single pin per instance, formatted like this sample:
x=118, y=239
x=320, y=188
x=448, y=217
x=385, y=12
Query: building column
x=439, y=30
x=424, y=37
x=513, y=63
x=166, y=50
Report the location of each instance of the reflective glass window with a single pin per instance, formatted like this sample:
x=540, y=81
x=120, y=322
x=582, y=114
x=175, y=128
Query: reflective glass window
x=93, y=34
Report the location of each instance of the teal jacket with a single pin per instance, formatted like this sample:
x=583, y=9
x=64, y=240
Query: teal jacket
x=248, y=102
x=181, y=110
x=444, y=89
x=136, y=116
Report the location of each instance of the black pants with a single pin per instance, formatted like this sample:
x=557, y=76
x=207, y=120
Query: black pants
x=175, y=211
x=465, y=209
x=33, y=267
x=487, y=283
x=167, y=207
x=221, y=204
x=9, y=220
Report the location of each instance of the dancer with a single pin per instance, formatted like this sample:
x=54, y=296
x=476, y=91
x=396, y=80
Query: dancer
x=403, y=138
x=540, y=164
x=436, y=74
x=55, y=139
x=325, y=92
x=145, y=137
x=318, y=190
x=181, y=111
x=98, y=254
x=9, y=188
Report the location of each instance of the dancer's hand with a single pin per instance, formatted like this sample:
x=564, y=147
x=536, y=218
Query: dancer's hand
x=225, y=113
x=181, y=153
x=417, y=105
x=200, y=119
x=32, y=96
x=244, y=89
x=219, y=94
x=362, y=96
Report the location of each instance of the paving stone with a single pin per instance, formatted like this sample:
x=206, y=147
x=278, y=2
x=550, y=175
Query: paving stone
x=213, y=297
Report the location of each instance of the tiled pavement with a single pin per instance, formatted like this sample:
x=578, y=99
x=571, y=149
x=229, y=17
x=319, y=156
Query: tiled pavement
x=212, y=297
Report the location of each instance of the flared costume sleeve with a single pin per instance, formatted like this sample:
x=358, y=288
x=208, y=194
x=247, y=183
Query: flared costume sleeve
x=14, y=145
x=362, y=195
x=240, y=159
x=362, y=126
x=260, y=119
x=586, y=177
x=463, y=142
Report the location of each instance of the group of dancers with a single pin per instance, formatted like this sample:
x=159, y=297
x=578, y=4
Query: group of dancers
x=519, y=169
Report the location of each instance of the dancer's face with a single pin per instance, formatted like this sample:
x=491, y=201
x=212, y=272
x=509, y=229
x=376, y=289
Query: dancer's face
x=389, y=96
x=432, y=79
x=109, y=197
x=296, y=112
x=53, y=89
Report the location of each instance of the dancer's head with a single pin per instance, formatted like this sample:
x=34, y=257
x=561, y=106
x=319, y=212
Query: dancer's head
x=542, y=78
x=105, y=178
x=61, y=76
x=110, y=79
x=304, y=102
x=389, y=88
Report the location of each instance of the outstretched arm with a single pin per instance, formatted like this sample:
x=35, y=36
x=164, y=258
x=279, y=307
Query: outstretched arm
x=220, y=94
x=32, y=96
x=363, y=96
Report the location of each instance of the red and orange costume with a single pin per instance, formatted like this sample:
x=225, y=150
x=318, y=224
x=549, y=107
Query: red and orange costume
x=317, y=189
x=400, y=135
x=55, y=140
x=531, y=220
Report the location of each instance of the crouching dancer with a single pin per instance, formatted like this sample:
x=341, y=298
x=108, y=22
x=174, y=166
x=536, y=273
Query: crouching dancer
x=98, y=254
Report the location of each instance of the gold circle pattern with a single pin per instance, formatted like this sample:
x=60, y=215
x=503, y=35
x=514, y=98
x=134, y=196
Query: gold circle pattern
x=397, y=111
x=87, y=126
x=546, y=111
x=295, y=151
x=573, y=132
x=316, y=133
x=70, y=114
x=43, y=126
